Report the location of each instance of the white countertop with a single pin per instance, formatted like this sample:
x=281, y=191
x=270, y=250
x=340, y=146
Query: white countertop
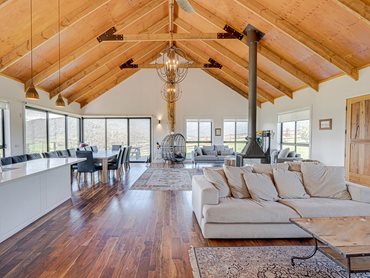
x=28, y=168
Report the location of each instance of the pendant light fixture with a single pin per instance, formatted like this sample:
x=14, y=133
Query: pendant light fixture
x=31, y=92
x=60, y=101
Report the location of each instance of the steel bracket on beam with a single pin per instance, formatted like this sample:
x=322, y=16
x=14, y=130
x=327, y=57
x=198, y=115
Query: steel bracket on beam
x=230, y=30
x=110, y=36
x=129, y=64
x=213, y=64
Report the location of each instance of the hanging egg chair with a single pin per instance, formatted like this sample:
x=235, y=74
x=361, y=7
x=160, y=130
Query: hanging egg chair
x=174, y=148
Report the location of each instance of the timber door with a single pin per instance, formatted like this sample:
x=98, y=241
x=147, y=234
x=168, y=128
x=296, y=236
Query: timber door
x=358, y=140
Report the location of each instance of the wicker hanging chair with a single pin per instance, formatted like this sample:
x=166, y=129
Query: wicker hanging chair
x=174, y=148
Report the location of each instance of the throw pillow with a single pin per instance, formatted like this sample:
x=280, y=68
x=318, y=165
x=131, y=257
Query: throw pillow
x=227, y=151
x=236, y=181
x=268, y=168
x=217, y=177
x=294, y=166
x=261, y=187
x=291, y=154
x=199, y=151
x=289, y=184
x=324, y=181
x=284, y=153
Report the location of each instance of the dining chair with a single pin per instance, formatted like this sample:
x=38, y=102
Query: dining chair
x=116, y=165
x=6, y=161
x=72, y=152
x=33, y=156
x=63, y=153
x=126, y=161
x=116, y=148
x=19, y=158
x=87, y=166
x=50, y=155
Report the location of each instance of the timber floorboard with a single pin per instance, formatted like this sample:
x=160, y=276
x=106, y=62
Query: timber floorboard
x=107, y=230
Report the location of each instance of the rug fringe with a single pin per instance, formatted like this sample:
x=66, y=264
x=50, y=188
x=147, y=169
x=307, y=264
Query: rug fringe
x=194, y=263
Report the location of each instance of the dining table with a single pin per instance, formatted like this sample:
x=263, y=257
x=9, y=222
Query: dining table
x=103, y=157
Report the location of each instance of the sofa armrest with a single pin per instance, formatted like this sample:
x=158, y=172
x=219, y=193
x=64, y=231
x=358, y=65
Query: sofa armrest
x=204, y=193
x=359, y=192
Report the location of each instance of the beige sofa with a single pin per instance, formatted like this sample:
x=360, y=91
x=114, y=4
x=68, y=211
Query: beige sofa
x=229, y=217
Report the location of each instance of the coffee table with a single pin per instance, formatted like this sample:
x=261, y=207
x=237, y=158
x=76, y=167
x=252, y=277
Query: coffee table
x=345, y=240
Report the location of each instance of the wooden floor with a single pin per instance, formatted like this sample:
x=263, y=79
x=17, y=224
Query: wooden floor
x=111, y=231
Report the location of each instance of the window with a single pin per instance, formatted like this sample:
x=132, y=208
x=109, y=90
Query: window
x=94, y=132
x=139, y=139
x=235, y=132
x=73, y=132
x=47, y=131
x=2, y=131
x=117, y=132
x=198, y=133
x=57, y=132
x=295, y=132
x=36, y=131
x=105, y=132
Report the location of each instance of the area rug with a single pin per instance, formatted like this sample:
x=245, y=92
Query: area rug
x=263, y=262
x=175, y=179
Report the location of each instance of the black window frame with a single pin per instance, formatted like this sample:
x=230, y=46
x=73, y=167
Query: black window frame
x=47, y=125
x=3, y=146
x=128, y=131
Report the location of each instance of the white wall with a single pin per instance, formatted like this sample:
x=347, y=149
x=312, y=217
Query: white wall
x=203, y=98
x=328, y=146
x=13, y=92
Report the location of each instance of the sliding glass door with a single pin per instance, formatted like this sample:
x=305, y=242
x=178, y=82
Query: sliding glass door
x=105, y=132
x=139, y=139
x=57, y=132
x=36, y=131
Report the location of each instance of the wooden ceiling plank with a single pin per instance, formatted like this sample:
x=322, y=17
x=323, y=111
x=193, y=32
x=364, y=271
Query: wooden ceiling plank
x=195, y=52
x=237, y=60
x=296, y=34
x=4, y=3
x=119, y=79
x=93, y=42
x=106, y=59
x=358, y=8
x=100, y=81
x=262, y=50
x=51, y=31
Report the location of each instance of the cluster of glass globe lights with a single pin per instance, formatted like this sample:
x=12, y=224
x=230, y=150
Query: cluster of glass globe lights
x=172, y=68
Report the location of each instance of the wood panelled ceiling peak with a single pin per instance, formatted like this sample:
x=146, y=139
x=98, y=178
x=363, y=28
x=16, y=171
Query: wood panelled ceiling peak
x=306, y=42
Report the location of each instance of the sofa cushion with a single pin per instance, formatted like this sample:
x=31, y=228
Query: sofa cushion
x=219, y=148
x=236, y=181
x=207, y=149
x=210, y=152
x=231, y=210
x=326, y=207
x=227, y=151
x=206, y=158
x=289, y=184
x=198, y=151
x=268, y=168
x=291, y=154
x=284, y=153
x=217, y=177
x=261, y=187
x=324, y=181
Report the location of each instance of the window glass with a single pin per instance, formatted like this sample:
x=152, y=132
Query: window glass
x=73, y=125
x=94, y=132
x=116, y=132
x=57, y=132
x=198, y=133
x=288, y=132
x=192, y=131
x=205, y=131
x=303, y=132
x=36, y=137
x=235, y=132
x=139, y=139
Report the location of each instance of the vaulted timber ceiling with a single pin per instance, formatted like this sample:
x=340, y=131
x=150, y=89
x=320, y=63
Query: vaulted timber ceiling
x=306, y=42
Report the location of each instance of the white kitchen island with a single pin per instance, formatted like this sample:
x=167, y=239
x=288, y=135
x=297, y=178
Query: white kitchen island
x=31, y=189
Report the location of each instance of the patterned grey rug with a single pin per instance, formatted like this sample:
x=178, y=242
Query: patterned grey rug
x=175, y=179
x=263, y=262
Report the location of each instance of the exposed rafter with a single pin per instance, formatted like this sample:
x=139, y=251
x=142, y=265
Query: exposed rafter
x=120, y=77
x=299, y=36
x=106, y=59
x=263, y=50
x=92, y=43
x=49, y=33
x=139, y=53
x=221, y=50
x=197, y=53
x=358, y=8
x=3, y=3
